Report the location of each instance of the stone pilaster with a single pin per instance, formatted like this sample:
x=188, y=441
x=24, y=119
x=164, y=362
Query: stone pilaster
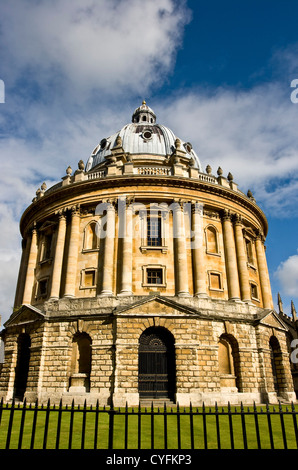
x=182, y=287
x=198, y=259
x=241, y=260
x=30, y=276
x=263, y=272
x=126, y=277
x=22, y=272
x=108, y=259
x=58, y=259
x=230, y=255
x=71, y=271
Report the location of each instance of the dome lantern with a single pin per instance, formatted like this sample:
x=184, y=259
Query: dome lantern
x=143, y=114
x=143, y=139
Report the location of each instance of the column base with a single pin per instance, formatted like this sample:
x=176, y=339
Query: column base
x=184, y=294
x=125, y=294
x=106, y=293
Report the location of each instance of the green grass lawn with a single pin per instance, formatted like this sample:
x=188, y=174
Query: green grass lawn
x=101, y=438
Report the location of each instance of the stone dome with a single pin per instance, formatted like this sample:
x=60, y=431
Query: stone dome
x=143, y=136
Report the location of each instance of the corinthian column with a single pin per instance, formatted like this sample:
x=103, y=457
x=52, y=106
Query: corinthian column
x=230, y=255
x=180, y=250
x=242, y=260
x=22, y=272
x=198, y=259
x=263, y=272
x=126, y=279
x=73, y=251
x=108, y=258
x=58, y=259
x=29, y=282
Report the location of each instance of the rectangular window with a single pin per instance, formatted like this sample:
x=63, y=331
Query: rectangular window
x=154, y=276
x=42, y=288
x=215, y=282
x=254, y=291
x=48, y=246
x=89, y=278
x=249, y=251
x=154, y=231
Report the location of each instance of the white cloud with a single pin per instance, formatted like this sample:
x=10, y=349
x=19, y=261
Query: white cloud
x=106, y=45
x=252, y=134
x=287, y=274
x=72, y=76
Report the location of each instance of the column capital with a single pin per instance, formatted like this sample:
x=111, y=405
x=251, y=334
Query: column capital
x=260, y=236
x=197, y=208
x=75, y=210
x=111, y=201
x=178, y=204
x=237, y=220
x=61, y=213
x=226, y=215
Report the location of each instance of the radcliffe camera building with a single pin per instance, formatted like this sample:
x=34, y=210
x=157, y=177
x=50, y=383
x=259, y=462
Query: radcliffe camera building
x=143, y=276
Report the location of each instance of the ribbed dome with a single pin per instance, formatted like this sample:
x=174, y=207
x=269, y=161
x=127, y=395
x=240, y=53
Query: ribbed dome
x=142, y=137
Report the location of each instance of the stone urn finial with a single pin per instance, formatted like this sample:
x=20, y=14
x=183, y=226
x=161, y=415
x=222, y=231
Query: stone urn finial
x=118, y=141
x=208, y=169
x=230, y=177
x=219, y=171
x=81, y=165
x=250, y=195
x=69, y=170
x=43, y=186
x=177, y=143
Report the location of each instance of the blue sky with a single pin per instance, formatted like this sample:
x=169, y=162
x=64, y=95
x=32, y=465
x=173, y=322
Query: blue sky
x=217, y=73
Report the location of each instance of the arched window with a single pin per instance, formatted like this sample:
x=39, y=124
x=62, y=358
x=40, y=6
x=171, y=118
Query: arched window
x=276, y=364
x=228, y=362
x=91, y=240
x=22, y=367
x=211, y=239
x=81, y=361
x=225, y=358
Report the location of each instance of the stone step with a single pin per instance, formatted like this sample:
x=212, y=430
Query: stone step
x=157, y=402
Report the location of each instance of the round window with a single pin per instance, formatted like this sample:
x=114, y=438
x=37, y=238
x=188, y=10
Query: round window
x=147, y=134
x=103, y=143
x=188, y=147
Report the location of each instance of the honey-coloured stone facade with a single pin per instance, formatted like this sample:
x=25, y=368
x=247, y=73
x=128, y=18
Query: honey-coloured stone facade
x=144, y=277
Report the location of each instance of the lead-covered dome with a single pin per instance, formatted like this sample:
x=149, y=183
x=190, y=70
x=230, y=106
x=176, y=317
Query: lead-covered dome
x=143, y=136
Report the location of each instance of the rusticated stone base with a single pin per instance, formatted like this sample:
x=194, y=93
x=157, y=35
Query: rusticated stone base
x=114, y=328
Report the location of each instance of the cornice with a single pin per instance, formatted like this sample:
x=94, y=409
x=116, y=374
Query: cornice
x=62, y=195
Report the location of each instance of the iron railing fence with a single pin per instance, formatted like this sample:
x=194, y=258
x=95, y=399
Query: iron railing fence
x=34, y=426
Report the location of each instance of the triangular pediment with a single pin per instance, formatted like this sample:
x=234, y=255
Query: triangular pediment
x=24, y=315
x=271, y=318
x=156, y=305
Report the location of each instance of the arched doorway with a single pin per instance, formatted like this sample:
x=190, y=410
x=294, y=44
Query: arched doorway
x=276, y=364
x=157, y=364
x=81, y=362
x=229, y=362
x=22, y=367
